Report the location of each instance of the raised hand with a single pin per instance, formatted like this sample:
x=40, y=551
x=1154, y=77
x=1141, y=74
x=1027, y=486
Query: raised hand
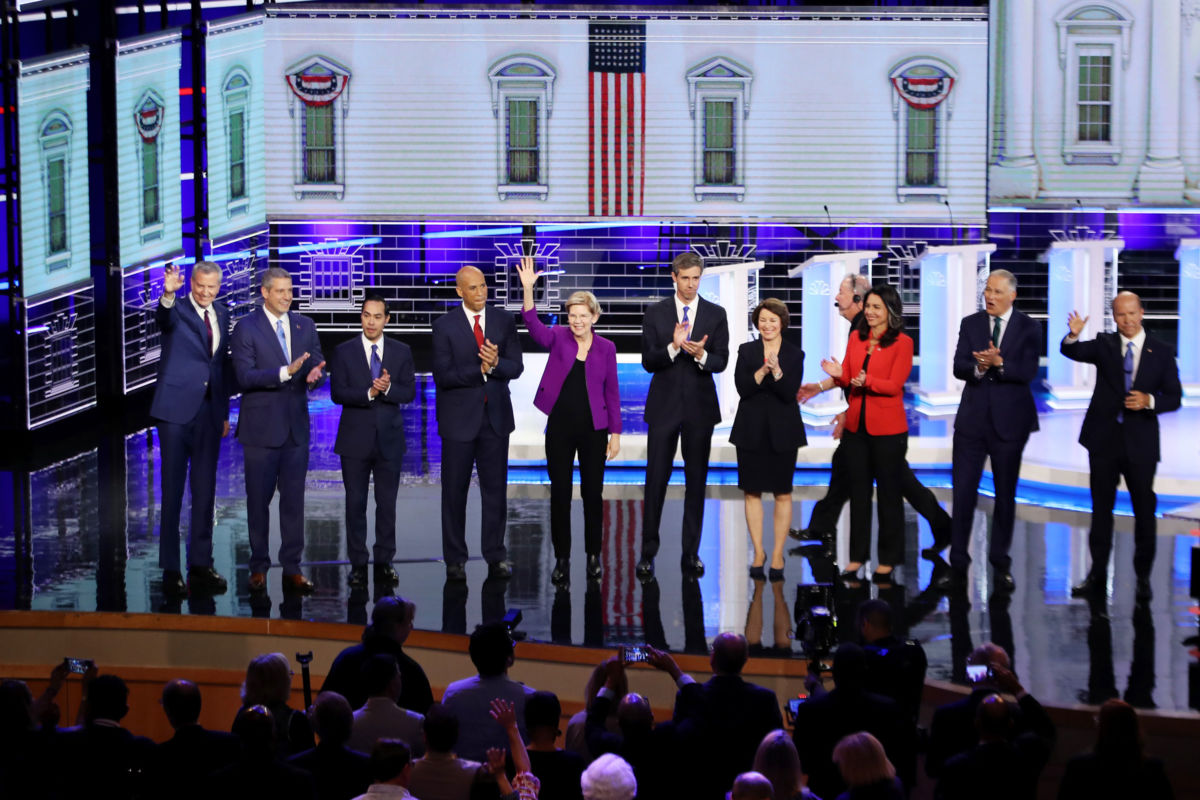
x=527, y=274
x=315, y=374
x=1076, y=323
x=832, y=367
x=502, y=711
x=495, y=760
x=295, y=366
x=680, y=335
x=172, y=279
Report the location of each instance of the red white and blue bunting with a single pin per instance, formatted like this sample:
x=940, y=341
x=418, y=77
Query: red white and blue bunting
x=317, y=85
x=149, y=119
x=923, y=86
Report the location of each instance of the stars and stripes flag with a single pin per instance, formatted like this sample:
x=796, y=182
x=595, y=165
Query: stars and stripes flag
x=616, y=118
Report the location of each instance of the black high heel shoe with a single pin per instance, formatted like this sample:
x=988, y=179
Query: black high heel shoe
x=756, y=573
x=884, y=577
x=776, y=575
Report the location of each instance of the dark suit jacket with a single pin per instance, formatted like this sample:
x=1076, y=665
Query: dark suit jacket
x=364, y=422
x=186, y=369
x=189, y=756
x=255, y=780
x=682, y=388
x=883, y=392
x=953, y=728
x=1157, y=375
x=343, y=678
x=1002, y=397
x=654, y=754
x=104, y=757
x=1092, y=776
x=461, y=388
x=768, y=416
x=270, y=409
x=995, y=771
x=339, y=773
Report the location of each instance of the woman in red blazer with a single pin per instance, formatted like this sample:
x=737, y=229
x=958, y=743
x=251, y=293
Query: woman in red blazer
x=580, y=395
x=878, y=359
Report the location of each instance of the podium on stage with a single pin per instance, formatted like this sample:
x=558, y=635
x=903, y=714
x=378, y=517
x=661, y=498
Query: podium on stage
x=1188, y=348
x=823, y=331
x=1083, y=278
x=952, y=281
x=731, y=286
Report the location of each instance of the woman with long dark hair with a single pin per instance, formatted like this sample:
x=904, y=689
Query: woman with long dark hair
x=877, y=363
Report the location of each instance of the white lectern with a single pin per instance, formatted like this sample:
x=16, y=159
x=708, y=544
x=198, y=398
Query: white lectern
x=823, y=331
x=1188, y=350
x=1083, y=278
x=731, y=286
x=952, y=281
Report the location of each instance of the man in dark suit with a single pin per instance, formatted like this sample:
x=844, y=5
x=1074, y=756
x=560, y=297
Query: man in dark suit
x=1136, y=380
x=101, y=753
x=476, y=353
x=685, y=339
x=1001, y=766
x=997, y=357
x=193, y=752
x=277, y=357
x=371, y=378
x=191, y=405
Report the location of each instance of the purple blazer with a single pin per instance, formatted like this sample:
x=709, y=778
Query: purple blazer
x=599, y=369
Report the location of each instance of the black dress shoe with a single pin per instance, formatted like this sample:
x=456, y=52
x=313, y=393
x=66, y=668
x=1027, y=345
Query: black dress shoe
x=1091, y=585
x=594, y=568
x=692, y=565
x=358, y=577
x=456, y=572
x=500, y=569
x=1144, y=593
x=206, y=580
x=1005, y=582
x=934, y=551
x=172, y=583
x=645, y=568
x=385, y=574
x=561, y=575
x=757, y=573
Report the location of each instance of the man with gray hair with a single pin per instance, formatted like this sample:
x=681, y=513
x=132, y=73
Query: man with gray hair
x=609, y=777
x=277, y=357
x=997, y=358
x=191, y=407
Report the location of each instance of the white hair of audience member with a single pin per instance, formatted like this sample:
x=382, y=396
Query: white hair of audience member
x=609, y=777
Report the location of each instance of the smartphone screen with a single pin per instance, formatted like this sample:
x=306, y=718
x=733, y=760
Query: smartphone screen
x=77, y=665
x=976, y=672
x=634, y=655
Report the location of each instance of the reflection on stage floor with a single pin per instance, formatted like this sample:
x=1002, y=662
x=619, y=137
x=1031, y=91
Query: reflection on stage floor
x=86, y=528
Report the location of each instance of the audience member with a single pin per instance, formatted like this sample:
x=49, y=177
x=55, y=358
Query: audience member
x=338, y=771
x=524, y=785
x=391, y=767
x=491, y=650
x=997, y=768
x=27, y=728
x=193, y=753
x=1118, y=766
x=722, y=720
x=779, y=762
x=895, y=666
x=953, y=729
x=828, y=717
x=269, y=684
x=100, y=752
x=750, y=786
x=557, y=770
x=865, y=769
x=441, y=774
x=381, y=717
x=576, y=736
x=258, y=772
x=391, y=623
x=610, y=777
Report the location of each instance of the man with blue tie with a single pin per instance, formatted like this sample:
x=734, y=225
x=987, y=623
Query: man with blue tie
x=476, y=353
x=191, y=405
x=372, y=376
x=1136, y=380
x=997, y=359
x=277, y=358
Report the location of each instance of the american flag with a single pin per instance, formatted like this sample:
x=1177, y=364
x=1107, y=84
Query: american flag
x=617, y=118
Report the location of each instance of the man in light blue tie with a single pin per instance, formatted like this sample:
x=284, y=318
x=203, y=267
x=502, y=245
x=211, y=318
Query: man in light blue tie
x=1136, y=380
x=276, y=358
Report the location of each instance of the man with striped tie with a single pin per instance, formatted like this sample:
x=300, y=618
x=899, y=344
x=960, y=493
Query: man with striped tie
x=1136, y=380
x=372, y=377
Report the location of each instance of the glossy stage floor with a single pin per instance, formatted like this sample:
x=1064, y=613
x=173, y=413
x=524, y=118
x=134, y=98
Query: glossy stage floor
x=85, y=532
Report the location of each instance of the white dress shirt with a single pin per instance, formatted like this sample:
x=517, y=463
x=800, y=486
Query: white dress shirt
x=692, y=308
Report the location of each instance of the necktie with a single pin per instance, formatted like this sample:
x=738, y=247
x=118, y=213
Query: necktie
x=685, y=319
x=478, y=331
x=996, y=331
x=1128, y=376
x=376, y=364
x=208, y=327
x=282, y=339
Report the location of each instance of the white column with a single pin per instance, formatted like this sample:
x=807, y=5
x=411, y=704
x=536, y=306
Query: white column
x=1160, y=179
x=1016, y=174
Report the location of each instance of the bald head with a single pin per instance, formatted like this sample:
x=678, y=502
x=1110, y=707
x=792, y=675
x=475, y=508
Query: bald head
x=471, y=287
x=1127, y=312
x=634, y=714
x=729, y=653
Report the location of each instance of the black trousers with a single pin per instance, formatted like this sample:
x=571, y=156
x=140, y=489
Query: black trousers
x=971, y=449
x=1139, y=478
x=488, y=453
x=878, y=461
x=356, y=476
x=563, y=440
x=661, y=441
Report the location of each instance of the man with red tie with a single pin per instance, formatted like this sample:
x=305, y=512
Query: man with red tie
x=476, y=353
x=191, y=405
x=372, y=377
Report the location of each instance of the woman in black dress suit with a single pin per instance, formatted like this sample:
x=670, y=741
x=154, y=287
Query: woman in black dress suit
x=767, y=430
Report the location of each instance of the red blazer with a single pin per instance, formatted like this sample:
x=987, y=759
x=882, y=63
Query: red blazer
x=884, y=390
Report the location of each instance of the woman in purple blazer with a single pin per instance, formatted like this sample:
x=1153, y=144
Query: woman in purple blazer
x=579, y=393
